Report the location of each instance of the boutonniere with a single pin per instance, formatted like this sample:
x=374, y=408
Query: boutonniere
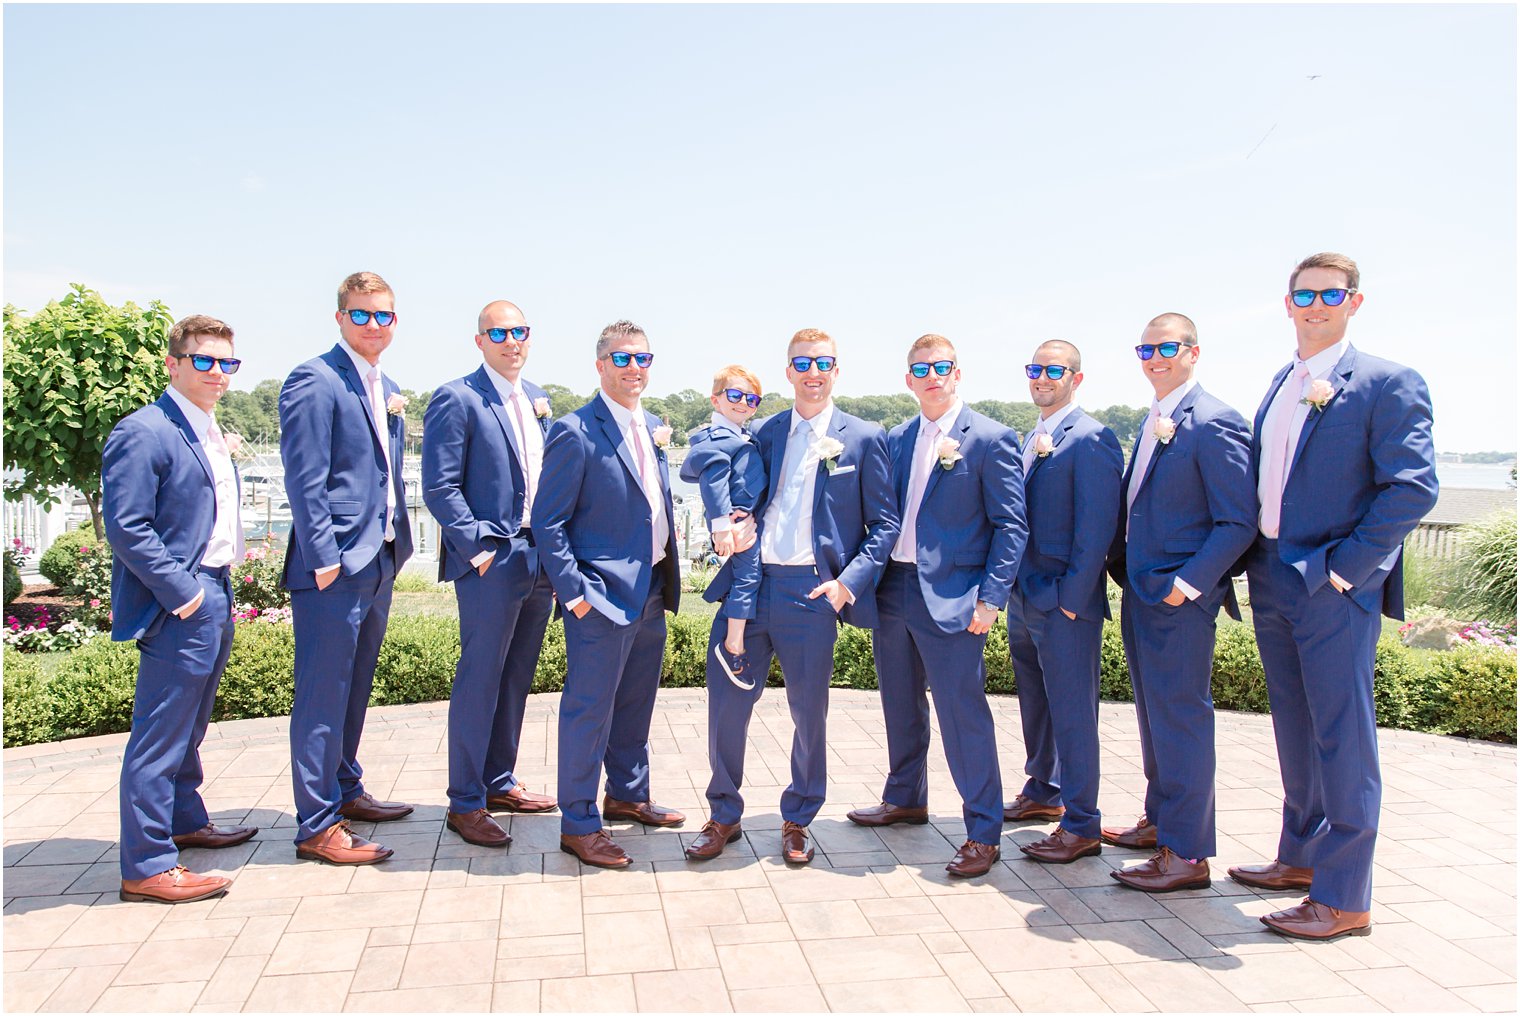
x=1319, y=394
x=1043, y=445
x=828, y=450
x=661, y=436
x=234, y=444
x=1165, y=430
x=541, y=408
x=396, y=404
x=949, y=452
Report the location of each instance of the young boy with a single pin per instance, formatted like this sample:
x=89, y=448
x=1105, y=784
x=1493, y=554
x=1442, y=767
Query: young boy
x=725, y=463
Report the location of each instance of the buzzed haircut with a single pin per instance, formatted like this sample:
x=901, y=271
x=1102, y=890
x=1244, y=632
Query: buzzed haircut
x=1171, y=319
x=726, y=377
x=1073, y=353
x=1329, y=259
x=617, y=332
x=186, y=330
x=931, y=341
x=362, y=282
x=810, y=335
x=480, y=319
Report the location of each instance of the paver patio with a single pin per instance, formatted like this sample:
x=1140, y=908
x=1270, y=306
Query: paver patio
x=873, y=924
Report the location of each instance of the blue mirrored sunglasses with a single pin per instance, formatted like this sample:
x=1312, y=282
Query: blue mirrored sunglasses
x=1330, y=297
x=1147, y=350
x=748, y=398
x=519, y=334
x=202, y=362
x=1054, y=371
x=383, y=318
x=802, y=364
x=941, y=367
x=620, y=358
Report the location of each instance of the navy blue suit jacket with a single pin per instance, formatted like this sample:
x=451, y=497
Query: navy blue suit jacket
x=855, y=520
x=1071, y=500
x=591, y=520
x=970, y=529
x=1361, y=477
x=335, y=470
x=158, y=499
x=1195, y=512
x=472, y=470
x=727, y=468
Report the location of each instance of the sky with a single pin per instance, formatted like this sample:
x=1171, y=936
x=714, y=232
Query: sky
x=727, y=175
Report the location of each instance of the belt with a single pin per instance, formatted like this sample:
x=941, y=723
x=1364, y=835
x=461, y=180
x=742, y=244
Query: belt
x=526, y=535
x=905, y=566
x=785, y=570
x=219, y=573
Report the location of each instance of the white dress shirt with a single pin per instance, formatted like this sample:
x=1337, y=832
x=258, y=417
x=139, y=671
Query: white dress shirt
x=1320, y=366
x=226, y=542
x=809, y=463
x=925, y=457
x=530, y=438
x=1145, y=450
x=363, y=367
x=1044, y=426
x=723, y=523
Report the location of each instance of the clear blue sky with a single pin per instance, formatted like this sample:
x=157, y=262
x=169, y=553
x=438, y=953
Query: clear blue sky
x=727, y=175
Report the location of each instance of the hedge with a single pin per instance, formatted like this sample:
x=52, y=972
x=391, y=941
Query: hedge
x=1468, y=691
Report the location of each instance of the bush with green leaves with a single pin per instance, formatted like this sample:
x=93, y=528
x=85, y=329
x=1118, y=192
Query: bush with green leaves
x=62, y=562
x=1484, y=587
x=256, y=581
x=15, y=556
x=1468, y=691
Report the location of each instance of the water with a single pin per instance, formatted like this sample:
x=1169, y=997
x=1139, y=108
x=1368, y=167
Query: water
x=1484, y=476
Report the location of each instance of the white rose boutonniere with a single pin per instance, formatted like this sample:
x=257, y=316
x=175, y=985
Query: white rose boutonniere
x=661, y=436
x=949, y=452
x=1318, y=395
x=541, y=408
x=1043, y=445
x=396, y=404
x=828, y=450
x=234, y=444
x=1165, y=430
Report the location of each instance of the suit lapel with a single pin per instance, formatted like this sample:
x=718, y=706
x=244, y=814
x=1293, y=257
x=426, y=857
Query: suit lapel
x=958, y=427
x=1338, y=380
x=1179, y=417
x=1261, y=417
x=661, y=459
x=615, y=435
x=1055, y=441
x=905, y=460
x=177, y=418
x=345, y=367
x=535, y=393
x=836, y=430
x=482, y=383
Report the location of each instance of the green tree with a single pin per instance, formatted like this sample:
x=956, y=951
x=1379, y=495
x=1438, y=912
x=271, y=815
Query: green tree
x=1124, y=421
x=254, y=414
x=562, y=400
x=72, y=370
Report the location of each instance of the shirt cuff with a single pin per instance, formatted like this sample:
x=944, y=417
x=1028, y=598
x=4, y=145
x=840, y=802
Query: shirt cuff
x=1186, y=589
x=482, y=558
x=570, y=605
x=331, y=567
x=1339, y=583
x=184, y=606
x=721, y=524
x=847, y=594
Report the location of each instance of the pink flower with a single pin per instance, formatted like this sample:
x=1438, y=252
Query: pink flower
x=1319, y=394
x=948, y=452
x=234, y=443
x=541, y=408
x=247, y=579
x=1165, y=430
x=1043, y=445
x=661, y=436
x=396, y=404
x=94, y=603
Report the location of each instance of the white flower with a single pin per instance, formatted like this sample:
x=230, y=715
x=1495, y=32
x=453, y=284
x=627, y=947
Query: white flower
x=949, y=452
x=1320, y=393
x=234, y=443
x=541, y=408
x=828, y=450
x=396, y=404
x=1165, y=430
x=1043, y=445
x=661, y=435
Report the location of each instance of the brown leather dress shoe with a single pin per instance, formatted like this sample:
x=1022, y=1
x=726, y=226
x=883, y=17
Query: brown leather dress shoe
x=1165, y=872
x=596, y=849
x=1318, y=921
x=177, y=885
x=365, y=808
x=973, y=859
x=1141, y=836
x=520, y=798
x=209, y=837
x=647, y=812
x=712, y=839
x=1022, y=809
x=338, y=844
x=1272, y=876
x=885, y=814
x=477, y=827
x=796, y=845
x=1061, y=847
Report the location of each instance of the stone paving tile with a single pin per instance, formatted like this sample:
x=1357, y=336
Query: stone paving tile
x=873, y=924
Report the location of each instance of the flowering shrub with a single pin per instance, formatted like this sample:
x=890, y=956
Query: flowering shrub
x=256, y=582
x=92, y=582
x=269, y=615
x=39, y=637
x=15, y=559
x=1485, y=634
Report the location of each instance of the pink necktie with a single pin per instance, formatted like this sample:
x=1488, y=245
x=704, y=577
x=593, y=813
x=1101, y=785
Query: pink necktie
x=634, y=429
x=1277, y=461
x=522, y=438
x=377, y=409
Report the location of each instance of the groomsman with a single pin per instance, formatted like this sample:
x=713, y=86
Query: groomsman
x=828, y=522
x=482, y=458
x=960, y=494
x=1345, y=468
x=1189, y=513
x=170, y=502
x=602, y=520
x=341, y=438
x=1055, y=615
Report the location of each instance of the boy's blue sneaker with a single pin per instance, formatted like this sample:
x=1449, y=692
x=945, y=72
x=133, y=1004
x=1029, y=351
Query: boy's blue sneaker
x=734, y=665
